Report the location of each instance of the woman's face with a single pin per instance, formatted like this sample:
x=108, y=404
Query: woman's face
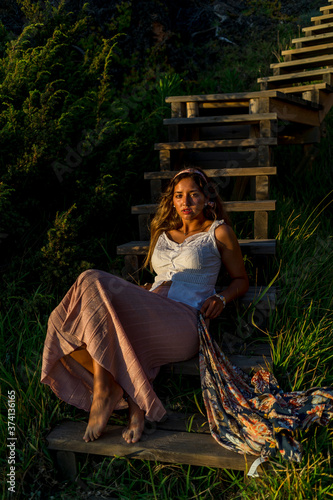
x=188, y=199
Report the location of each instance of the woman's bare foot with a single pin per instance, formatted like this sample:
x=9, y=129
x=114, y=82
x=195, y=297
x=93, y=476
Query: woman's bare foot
x=134, y=430
x=107, y=393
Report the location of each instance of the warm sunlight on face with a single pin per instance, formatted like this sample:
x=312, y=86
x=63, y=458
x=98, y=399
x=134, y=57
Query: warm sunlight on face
x=188, y=199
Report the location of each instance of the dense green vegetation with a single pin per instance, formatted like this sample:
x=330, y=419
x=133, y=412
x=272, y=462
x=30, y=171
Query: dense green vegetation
x=82, y=103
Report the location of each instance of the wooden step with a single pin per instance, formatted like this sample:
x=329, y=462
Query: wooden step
x=319, y=29
x=250, y=247
x=200, y=120
x=322, y=87
x=321, y=19
x=304, y=76
x=311, y=62
x=326, y=8
x=228, y=143
x=315, y=50
x=224, y=172
x=159, y=445
x=237, y=96
x=313, y=39
x=218, y=100
x=211, y=158
x=230, y=206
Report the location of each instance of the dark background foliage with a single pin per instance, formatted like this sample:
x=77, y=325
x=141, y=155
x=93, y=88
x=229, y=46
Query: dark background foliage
x=82, y=102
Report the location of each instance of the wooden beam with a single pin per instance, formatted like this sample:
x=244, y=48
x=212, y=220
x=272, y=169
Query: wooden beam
x=319, y=29
x=316, y=50
x=322, y=19
x=310, y=62
x=229, y=143
x=160, y=445
x=312, y=40
x=222, y=172
x=230, y=206
x=248, y=118
x=240, y=96
x=299, y=90
x=304, y=76
x=294, y=113
x=224, y=104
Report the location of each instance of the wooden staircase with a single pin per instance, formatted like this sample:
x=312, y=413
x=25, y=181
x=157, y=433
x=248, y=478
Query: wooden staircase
x=232, y=137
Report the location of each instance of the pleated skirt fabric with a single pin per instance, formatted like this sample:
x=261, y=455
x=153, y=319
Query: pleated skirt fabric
x=128, y=330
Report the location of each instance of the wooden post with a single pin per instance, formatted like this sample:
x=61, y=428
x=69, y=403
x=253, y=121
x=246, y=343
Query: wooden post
x=260, y=184
x=311, y=95
x=192, y=109
x=178, y=110
x=165, y=159
x=144, y=220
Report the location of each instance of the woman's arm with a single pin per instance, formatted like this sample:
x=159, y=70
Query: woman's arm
x=232, y=259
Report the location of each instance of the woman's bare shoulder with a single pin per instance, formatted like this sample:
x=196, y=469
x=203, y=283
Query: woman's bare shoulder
x=226, y=237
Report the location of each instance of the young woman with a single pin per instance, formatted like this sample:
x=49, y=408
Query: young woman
x=108, y=338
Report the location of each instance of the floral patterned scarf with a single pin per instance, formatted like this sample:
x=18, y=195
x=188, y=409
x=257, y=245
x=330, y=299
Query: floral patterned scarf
x=255, y=416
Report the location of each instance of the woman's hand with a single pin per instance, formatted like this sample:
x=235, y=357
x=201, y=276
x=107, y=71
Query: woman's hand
x=212, y=307
x=146, y=286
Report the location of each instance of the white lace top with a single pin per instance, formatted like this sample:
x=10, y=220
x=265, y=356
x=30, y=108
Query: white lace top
x=192, y=266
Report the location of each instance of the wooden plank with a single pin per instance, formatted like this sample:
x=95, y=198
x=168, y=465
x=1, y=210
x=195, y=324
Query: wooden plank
x=215, y=159
x=224, y=104
x=184, y=422
x=240, y=96
x=249, y=246
x=310, y=62
x=316, y=50
x=323, y=87
x=320, y=28
x=305, y=76
x=222, y=172
x=160, y=445
x=295, y=134
x=327, y=103
x=326, y=8
x=224, y=132
x=248, y=118
x=230, y=206
x=229, y=143
x=321, y=19
x=293, y=113
x=313, y=40
x=233, y=98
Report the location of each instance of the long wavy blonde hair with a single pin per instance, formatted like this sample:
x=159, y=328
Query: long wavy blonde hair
x=167, y=218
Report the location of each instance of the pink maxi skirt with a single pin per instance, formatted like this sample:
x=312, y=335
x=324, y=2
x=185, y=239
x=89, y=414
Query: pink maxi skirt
x=128, y=330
